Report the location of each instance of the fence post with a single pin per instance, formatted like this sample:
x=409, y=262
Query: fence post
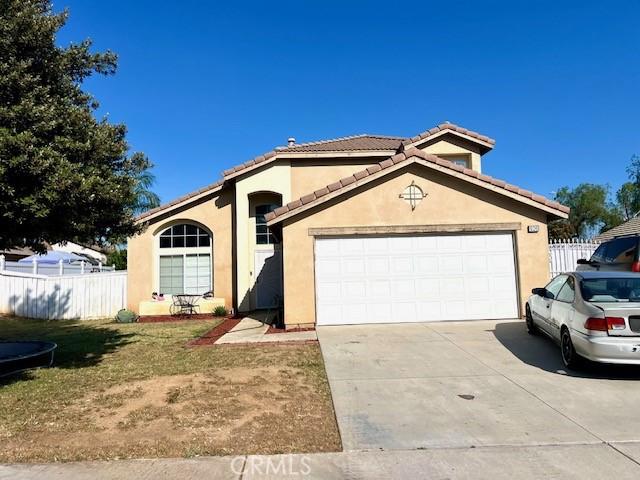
x=2, y=264
x=60, y=267
x=113, y=266
x=34, y=266
x=100, y=266
x=82, y=267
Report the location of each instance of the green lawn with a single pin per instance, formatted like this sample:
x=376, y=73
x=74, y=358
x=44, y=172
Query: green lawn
x=136, y=390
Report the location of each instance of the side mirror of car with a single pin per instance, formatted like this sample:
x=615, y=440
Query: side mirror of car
x=541, y=292
x=583, y=261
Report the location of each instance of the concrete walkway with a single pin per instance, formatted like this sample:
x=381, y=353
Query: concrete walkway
x=598, y=461
x=252, y=329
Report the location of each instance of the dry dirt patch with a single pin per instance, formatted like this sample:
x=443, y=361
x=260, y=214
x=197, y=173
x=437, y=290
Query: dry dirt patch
x=153, y=397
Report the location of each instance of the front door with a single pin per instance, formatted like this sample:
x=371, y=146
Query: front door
x=268, y=271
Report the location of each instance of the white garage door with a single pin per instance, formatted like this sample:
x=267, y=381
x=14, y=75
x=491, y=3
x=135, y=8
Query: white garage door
x=415, y=278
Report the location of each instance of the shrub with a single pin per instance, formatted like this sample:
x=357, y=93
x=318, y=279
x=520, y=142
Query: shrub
x=126, y=316
x=220, y=311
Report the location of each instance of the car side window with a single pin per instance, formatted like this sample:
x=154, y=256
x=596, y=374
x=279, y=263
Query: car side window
x=598, y=255
x=568, y=291
x=554, y=286
x=620, y=250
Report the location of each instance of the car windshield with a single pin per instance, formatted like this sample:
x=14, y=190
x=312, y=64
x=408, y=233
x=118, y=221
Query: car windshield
x=611, y=289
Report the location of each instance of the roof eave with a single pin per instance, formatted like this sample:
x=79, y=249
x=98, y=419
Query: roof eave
x=417, y=159
x=164, y=209
x=486, y=143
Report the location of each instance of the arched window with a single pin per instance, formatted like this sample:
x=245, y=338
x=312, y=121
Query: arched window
x=185, y=260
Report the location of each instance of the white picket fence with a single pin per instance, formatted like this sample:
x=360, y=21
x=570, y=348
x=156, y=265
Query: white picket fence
x=564, y=254
x=53, y=269
x=98, y=295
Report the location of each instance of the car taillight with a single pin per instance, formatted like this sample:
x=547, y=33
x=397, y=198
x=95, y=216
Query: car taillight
x=605, y=324
x=598, y=324
x=615, y=323
x=635, y=266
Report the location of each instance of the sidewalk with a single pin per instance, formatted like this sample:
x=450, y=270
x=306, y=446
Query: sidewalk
x=495, y=463
x=252, y=330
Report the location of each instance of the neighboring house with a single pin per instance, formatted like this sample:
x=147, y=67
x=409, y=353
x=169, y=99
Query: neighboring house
x=95, y=254
x=357, y=229
x=630, y=227
x=15, y=254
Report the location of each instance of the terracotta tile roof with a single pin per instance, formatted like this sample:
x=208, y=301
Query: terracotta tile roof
x=360, y=143
x=355, y=142
x=343, y=144
x=452, y=127
x=408, y=156
x=214, y=186
x=631, y=227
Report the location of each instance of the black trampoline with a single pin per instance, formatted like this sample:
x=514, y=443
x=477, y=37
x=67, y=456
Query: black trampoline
x=18, y=356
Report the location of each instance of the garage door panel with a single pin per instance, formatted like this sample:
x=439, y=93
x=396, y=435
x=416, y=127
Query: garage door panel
x=378, y=265
x=428, y=311
x=376, y=245
x=449, y=243
x=415, y=278
x=401, y=244
x=452, y=287
x=351, y=266
x=380, y=288
x=402, y=265
x=451, y=264
x=329, y=291
x=405, y=309
x=355, y=289
x=476, y=264
x=455, y=310
x=327, y=267
x=403, y=288
x=426, y=243
x=425, y=264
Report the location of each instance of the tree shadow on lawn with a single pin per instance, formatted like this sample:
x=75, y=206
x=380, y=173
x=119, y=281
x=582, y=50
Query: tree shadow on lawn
x=80, y=344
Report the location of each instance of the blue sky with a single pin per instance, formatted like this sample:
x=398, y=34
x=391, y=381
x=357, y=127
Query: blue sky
x=203, y=86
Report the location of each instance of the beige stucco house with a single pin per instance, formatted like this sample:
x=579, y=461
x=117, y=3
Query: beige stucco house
x=357, y=229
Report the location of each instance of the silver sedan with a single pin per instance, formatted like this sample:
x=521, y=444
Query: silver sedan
x=594, y=315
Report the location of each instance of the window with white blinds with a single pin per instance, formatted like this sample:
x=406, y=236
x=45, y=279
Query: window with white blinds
x=184, y=265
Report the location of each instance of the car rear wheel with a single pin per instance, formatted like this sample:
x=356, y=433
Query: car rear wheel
x=570, y=357
x=531, y=327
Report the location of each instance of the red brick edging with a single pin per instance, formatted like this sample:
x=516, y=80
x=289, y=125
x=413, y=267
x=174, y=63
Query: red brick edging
x=213, y=335
x=273, y=329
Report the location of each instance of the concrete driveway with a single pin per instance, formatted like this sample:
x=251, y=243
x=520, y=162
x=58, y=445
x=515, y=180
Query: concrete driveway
x=471, y=384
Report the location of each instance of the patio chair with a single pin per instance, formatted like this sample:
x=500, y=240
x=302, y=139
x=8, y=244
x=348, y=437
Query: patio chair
x=185, y=304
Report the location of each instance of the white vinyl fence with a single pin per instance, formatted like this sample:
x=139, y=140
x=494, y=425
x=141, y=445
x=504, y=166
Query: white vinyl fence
x=98, y=295
x=53, y=269
x=564, y=254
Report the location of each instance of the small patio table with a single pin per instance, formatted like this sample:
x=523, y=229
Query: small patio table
x=185, y=304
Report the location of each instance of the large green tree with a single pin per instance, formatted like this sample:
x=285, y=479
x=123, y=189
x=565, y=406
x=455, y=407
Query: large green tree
x=628, y=196
x=591, y=211
x=64, y=174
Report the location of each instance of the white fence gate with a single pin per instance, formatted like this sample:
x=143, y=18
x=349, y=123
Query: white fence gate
x=564, y=254
x=97, y=295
